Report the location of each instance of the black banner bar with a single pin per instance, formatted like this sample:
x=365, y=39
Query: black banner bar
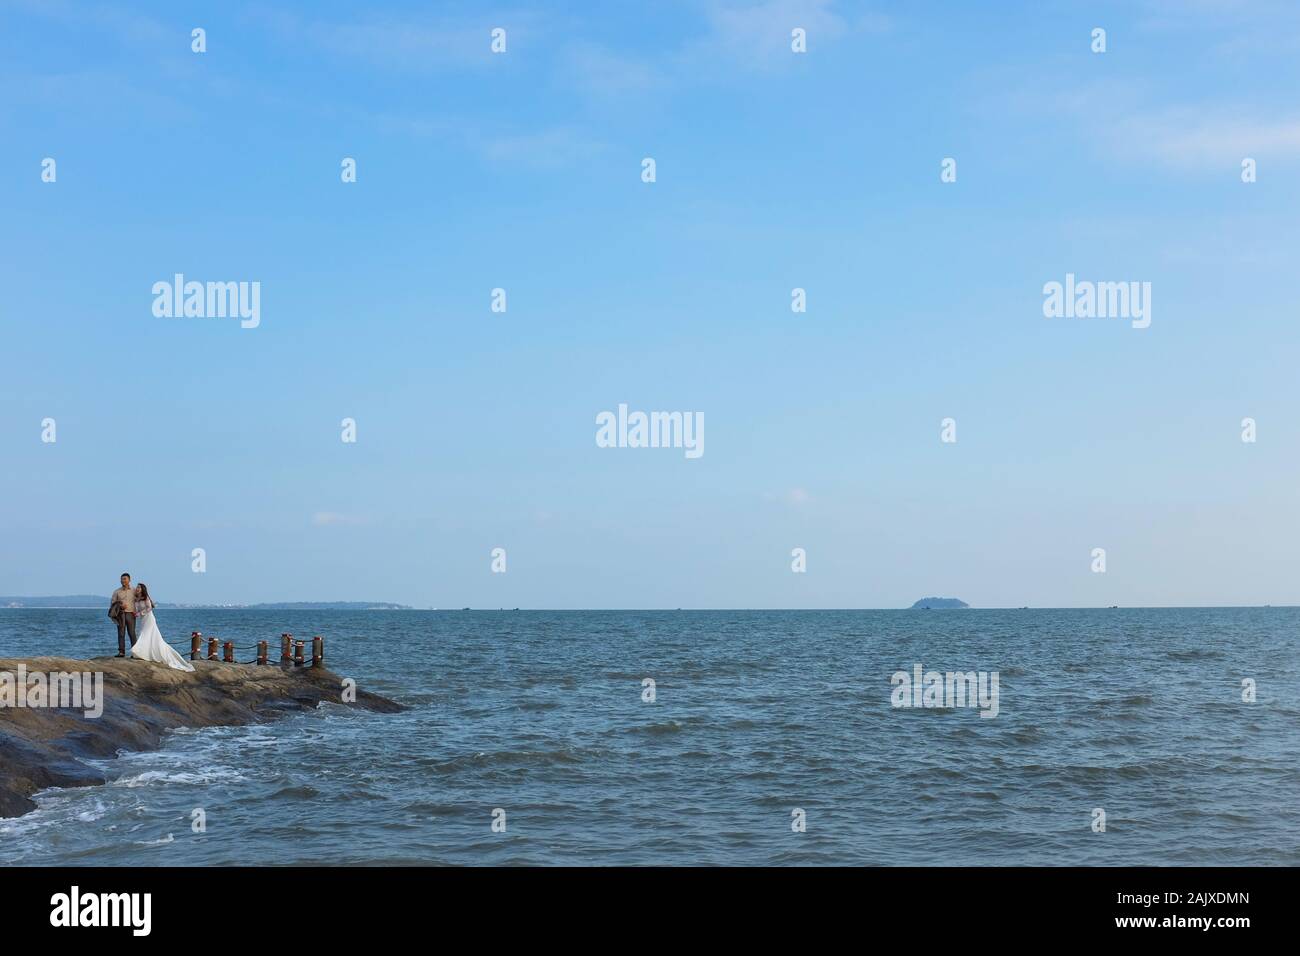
x=337, y=905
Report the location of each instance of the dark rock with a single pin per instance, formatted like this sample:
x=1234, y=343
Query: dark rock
x=41, y=747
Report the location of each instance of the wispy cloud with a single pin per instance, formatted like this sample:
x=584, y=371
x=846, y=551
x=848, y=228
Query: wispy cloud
x=1126, y=124
x=331, y=519
x=1229, y=27
x=794, y=497
x=122, y=22
x=402, y=46
x=420, y=44
x=597, y=69
x=758, y=34
x=732, y=37
x=553, y=147
x=91, y=95
x=1195, y=138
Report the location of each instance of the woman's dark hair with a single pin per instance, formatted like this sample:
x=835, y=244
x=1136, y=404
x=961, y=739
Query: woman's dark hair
x=144, y=591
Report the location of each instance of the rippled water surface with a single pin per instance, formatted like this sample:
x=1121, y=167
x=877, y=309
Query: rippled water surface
x=1138, y=712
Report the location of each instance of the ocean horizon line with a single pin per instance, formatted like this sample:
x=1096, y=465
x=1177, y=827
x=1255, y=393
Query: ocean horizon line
x=379, y=606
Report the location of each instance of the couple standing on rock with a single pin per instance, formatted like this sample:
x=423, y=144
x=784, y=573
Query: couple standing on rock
x=132, y=609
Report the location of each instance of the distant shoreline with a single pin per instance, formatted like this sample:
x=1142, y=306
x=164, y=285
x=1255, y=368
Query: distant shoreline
x=360, y=606
x=84, y=602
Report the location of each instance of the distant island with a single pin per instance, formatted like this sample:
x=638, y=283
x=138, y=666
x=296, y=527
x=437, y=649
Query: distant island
x=938, y=603
x=101, y=601
x=320, y=606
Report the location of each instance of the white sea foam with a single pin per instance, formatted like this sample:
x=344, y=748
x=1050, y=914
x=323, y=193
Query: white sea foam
x=210, y=775
x=169, y=838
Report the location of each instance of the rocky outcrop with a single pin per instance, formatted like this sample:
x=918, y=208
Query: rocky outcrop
x=926, y=604
x=42, y=746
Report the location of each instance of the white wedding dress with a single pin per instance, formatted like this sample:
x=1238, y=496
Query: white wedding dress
x=149, y=643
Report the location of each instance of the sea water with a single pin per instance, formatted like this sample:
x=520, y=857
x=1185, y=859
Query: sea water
x=766, y=737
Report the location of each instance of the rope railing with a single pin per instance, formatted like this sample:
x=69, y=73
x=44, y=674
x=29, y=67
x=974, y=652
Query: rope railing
x=238, y=647
x=292, y=652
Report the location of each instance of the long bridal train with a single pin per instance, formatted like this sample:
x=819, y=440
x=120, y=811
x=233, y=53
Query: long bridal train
x=150, y=646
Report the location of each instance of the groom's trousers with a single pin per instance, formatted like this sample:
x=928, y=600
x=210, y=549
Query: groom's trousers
x=125, y=625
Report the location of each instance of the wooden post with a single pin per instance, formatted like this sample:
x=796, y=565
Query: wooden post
x=212, y=648
x=286, y=641
x=262, y=652
x=297, y=653
x=196, y=642
x=317, y=651
x=230, y=652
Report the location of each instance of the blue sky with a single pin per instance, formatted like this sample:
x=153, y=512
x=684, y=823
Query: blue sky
x=775, y=170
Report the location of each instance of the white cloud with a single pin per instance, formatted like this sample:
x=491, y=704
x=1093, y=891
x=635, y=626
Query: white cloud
x=759, y=33
x=1121, y=123
x=1195, y=138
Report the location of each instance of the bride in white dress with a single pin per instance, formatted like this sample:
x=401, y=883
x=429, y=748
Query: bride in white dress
x=149, y=644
